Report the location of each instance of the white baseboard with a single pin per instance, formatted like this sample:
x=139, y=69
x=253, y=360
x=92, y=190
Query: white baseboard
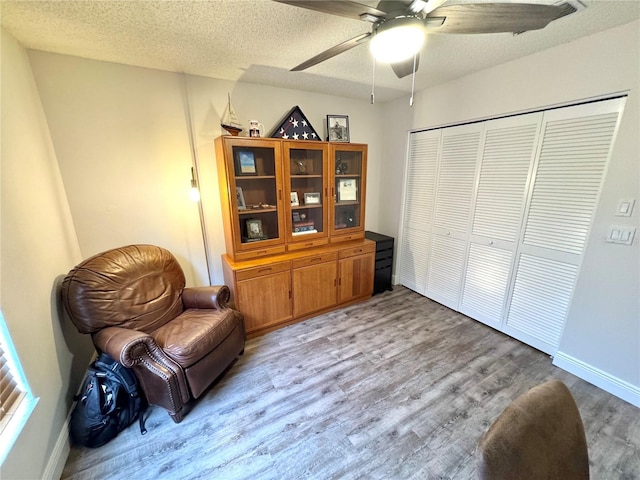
x=60, y=453
x=621, y=389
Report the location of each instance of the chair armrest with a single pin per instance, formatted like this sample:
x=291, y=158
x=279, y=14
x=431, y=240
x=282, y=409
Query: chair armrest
x=124, y=345
x=206, y=297
x=157, y=372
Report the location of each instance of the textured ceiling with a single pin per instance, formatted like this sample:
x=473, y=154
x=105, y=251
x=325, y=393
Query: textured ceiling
x=258, y=41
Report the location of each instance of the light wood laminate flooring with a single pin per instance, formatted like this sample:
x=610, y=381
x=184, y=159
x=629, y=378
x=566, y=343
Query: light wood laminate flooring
x=398, y=387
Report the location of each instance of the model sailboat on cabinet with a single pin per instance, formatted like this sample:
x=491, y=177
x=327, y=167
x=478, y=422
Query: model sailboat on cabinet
x=230, y=120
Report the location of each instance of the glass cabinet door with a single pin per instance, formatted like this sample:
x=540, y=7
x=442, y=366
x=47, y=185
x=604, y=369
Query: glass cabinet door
x=305, y=172
x=255, y=173
x=347, y=190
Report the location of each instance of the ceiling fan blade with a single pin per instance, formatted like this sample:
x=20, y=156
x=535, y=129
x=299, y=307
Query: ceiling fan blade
x=404, y=68
x=426, y=7
x=495, y=17
x=333, y=51
x=345, y=8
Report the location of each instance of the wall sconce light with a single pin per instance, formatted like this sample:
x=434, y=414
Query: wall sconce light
x=194, y=193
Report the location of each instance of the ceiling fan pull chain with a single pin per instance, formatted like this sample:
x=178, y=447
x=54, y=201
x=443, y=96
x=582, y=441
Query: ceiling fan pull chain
x=413, y=80
x=373, y=82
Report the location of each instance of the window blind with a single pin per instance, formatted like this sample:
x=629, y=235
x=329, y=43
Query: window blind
x=10, y=393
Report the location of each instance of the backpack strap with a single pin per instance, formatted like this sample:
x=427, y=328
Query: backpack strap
x=141, y=420
x=128, y=380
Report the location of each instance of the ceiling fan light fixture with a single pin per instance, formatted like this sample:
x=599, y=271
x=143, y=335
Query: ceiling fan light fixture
x=397, y=39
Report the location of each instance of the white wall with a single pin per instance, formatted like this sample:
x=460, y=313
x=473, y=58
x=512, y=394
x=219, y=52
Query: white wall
x=120, y=135
x=38, y=245
x=122, y=140
x=603, y=327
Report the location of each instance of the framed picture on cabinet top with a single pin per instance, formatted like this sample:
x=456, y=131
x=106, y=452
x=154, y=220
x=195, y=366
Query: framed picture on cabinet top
x=294, y=199
x=240, y=196
x=338, y=128
x=312, y=198
x=246, y=163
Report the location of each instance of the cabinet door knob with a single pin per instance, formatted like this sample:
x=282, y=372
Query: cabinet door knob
x=490, y=242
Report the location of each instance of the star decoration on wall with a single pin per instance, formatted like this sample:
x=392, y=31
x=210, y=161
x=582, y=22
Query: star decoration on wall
x=295, y=126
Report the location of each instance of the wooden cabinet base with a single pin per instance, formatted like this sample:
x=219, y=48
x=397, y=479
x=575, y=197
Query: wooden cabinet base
x=279, y=290
x=261, y=331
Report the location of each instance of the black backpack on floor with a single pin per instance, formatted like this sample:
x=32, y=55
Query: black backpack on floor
x=107, y=403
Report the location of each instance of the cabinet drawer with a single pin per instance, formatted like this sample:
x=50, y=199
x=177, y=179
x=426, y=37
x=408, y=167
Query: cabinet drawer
x=385, y=245
x=384, y=254
x=315, y=259
x=384, y=263
x=346, y=238
x=240, y=256
x=309, y=244
x=362, y=249
x=263, y=270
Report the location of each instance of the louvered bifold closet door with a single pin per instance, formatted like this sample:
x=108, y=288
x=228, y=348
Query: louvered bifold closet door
x=506, y=161
x=574, y=150
x=417, y=221
x=460, y=147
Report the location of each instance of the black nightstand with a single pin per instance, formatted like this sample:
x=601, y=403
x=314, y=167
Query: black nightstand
x=384, y=261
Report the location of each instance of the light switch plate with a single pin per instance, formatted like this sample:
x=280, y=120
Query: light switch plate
x=625, y=207
x=621, y=234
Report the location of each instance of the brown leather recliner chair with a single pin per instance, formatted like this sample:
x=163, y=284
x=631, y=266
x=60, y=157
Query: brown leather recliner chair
x=133, y=302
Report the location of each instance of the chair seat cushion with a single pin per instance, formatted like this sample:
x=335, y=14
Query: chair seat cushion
x=194, y=334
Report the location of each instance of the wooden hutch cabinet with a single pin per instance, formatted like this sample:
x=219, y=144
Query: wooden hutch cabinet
x=293, y=216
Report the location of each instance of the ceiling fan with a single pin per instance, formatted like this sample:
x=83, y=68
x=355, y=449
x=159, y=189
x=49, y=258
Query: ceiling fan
x=400, y=26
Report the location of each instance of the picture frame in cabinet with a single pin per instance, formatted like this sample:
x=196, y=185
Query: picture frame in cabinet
x=242, y=205
x=338, y=128
x=294, y=199
x=347, y=190
x=246, y=163
x=312, y=198
x=254, y=229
